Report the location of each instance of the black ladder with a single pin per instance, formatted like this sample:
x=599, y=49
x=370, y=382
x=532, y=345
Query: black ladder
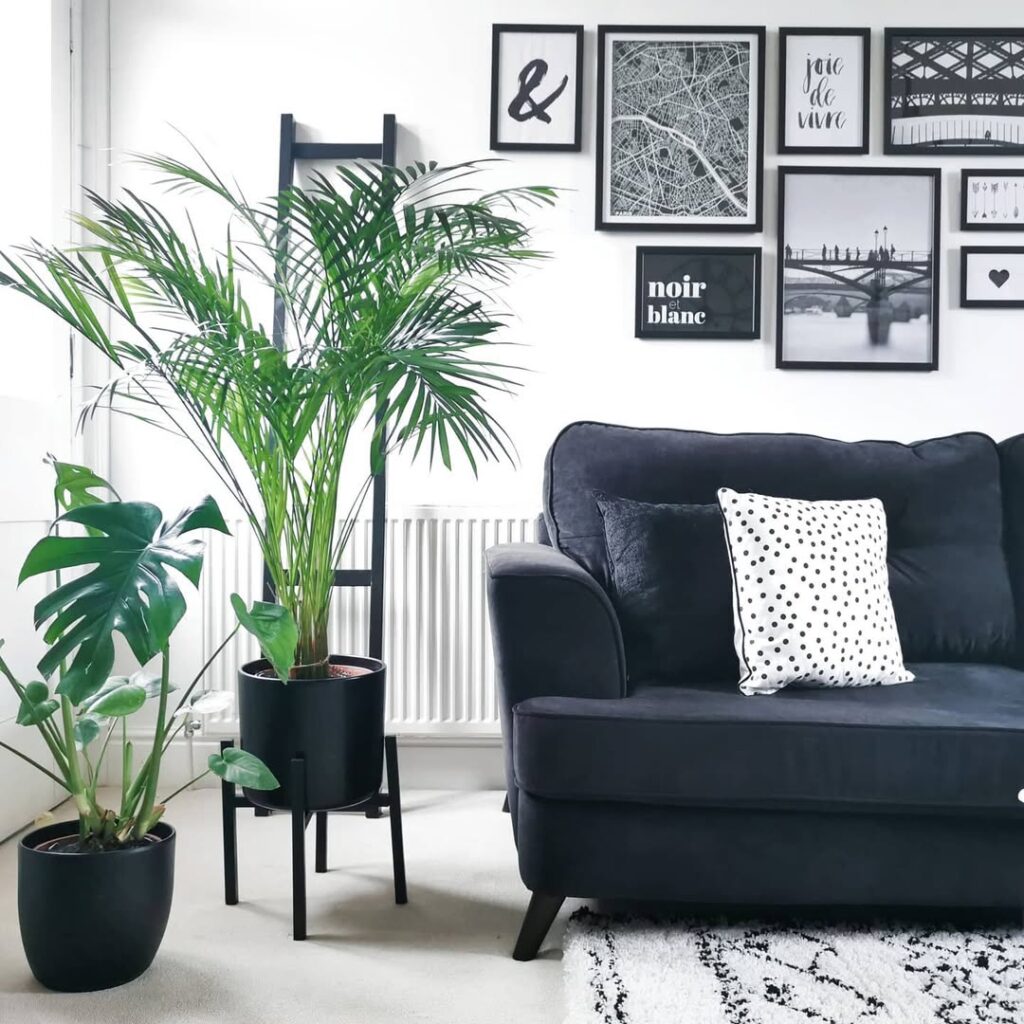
x=291, y=151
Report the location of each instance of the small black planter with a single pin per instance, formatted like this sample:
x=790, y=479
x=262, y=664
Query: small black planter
x=93, y=920
x=335, y=724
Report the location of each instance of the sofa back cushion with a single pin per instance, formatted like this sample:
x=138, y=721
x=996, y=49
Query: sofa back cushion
x=943, y=500
x=1011, y=453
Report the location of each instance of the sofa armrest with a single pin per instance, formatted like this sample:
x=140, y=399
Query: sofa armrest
x=555, y=633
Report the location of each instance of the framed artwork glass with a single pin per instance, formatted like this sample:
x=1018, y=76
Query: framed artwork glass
x=536, y=87
x=952, y=90
x=992, y=277
x=698, y=292
x=992, y=200
x=858, y=283
x=824, y=86
x=680, y=128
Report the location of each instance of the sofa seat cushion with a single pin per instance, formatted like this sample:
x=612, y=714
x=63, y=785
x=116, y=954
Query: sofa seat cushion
x=951, y=741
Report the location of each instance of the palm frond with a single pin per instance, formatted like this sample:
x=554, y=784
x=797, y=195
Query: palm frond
x=387, y=278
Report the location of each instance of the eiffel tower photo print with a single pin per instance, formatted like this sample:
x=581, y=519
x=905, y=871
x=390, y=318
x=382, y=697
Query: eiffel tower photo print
x=951, y=90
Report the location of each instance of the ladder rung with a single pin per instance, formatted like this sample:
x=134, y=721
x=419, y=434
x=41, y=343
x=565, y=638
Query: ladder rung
x=336, y=151
x=353, y=577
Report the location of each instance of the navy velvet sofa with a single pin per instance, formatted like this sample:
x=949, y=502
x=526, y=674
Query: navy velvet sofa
x=902, y=796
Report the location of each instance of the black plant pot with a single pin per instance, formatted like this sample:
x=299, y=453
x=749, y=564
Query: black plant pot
x=336, y=724
x=93, y=920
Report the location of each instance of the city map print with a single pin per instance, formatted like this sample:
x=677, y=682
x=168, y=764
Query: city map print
x=679, y=134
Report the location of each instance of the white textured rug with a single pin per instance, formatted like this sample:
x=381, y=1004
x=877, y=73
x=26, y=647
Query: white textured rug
x=639, y=971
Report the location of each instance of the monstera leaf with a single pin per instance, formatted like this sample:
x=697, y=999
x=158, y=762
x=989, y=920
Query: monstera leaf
x=87, y=729
x=274, y=627
x=130, y=589
x=74, y=485
x=36, y=704
x=127, y=687
x=242, y=768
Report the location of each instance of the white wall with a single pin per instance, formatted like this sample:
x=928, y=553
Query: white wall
x=223, y=70
x=34, y=399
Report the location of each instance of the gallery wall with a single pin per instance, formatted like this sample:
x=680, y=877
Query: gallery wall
x=223, y=70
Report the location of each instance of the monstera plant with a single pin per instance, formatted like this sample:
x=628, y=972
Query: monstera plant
x=117, y=566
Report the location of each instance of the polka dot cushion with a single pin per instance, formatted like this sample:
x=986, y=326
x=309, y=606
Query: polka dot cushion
x=811, y=601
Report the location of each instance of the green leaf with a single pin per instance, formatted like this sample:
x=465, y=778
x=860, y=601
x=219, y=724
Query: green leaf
x=148, y=681
x=207, y=702
x=112, y=683
x=120, y=701
x=129, y=589
x=87, y=729
x=274, y=627
x=242, y=768
x=36, y=704
x=74, y=485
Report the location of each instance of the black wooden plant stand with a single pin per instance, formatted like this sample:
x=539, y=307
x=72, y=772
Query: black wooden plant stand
x=231, y=800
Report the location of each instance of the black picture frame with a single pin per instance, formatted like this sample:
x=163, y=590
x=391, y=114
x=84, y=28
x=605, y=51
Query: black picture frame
x=496, y=143
x=790, y=172
x=952, y=120
x=1001, y=175
x=751, y=225
x=698, y=332
x=989, y=250
x=785, y=34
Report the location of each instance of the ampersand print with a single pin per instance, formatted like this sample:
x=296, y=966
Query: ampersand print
x=523, y=106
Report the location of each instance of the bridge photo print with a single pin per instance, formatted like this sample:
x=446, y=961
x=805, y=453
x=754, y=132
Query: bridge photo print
x=858, y=287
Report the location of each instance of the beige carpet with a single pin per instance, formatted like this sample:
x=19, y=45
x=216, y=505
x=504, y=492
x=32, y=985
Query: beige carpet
x=442, y=958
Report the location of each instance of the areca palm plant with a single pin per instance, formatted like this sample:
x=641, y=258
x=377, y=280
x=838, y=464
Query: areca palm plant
x=383, y=282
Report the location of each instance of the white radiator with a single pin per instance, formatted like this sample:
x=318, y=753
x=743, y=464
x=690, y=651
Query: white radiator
x=437, y=643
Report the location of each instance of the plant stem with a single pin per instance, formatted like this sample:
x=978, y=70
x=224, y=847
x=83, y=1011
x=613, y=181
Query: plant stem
x=172, y=733
x=167, y=799
x=146, y=818
x=135, y=789
x=49, y=734
x=103, y=750
x=86, y=809
x=202, y=672
x=126, y=767
x=35, y=764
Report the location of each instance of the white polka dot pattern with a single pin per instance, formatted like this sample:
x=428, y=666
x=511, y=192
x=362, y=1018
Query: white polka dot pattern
x=810, y=586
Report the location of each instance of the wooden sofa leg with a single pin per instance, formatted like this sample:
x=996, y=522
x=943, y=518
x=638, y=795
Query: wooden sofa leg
x=539, y=915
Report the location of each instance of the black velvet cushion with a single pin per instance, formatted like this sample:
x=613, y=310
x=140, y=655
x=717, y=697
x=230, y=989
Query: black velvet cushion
x=671, y=588
x=943, y=502
x=954, y=739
